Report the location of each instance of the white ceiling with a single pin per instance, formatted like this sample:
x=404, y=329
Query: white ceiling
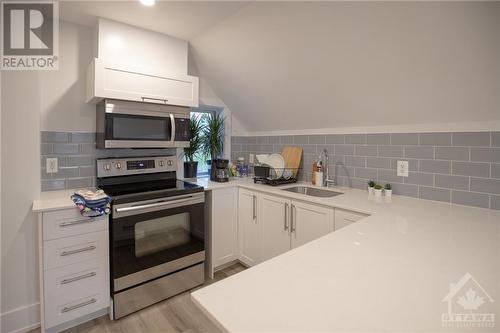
x=181, y=19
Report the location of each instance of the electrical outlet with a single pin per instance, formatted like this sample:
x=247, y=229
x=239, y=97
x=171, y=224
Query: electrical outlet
x=403, y=168
x=251, y=158
x=51, y=165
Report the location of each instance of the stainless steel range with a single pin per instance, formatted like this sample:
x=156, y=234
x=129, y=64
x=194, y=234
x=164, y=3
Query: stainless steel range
x=157, y=231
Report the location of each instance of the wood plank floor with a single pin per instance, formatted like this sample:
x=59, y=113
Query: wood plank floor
x=177, y=315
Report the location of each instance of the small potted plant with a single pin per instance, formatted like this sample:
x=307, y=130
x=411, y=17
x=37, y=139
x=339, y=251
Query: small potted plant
x=378, y=190
x=213, y=139
x=388, y=190
x=371, y=185
x=190, y=165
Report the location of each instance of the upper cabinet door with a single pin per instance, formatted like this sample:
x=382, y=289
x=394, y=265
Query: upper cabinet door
x=107, y=81
x=275, y=219
x=309, y=222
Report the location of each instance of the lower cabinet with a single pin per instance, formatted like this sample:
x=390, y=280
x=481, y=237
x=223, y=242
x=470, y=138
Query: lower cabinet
x=250, y=228
x=345, y=217
x=309, y=222
x=74, y=268
x=221, y=206
x=274, y=215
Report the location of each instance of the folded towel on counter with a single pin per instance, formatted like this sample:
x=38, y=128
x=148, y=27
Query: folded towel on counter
x=92, y=204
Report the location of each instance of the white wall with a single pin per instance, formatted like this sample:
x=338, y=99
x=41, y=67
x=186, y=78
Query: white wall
x=289, y=67
x=21, y=103
x=143, y=50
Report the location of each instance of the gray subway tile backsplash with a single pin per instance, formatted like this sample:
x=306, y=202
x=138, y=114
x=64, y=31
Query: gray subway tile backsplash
x=76, y=155
x=462, y=168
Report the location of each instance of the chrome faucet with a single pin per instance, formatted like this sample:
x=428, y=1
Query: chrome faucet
x=327, y=181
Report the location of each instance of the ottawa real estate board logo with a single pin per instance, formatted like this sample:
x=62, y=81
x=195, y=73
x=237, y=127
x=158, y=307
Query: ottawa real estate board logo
x=30, y=35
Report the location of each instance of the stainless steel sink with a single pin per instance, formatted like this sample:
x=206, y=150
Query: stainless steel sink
x=312, y=191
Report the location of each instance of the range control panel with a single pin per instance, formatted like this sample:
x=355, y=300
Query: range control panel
x=112, y=167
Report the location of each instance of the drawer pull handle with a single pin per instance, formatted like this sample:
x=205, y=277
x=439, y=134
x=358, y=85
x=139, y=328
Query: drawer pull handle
x=70, y=223
x=81, y=277
x=76, y=306
x=68, y=253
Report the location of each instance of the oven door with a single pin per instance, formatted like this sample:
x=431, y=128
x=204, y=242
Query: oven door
x=123, y=130
x=156, y=237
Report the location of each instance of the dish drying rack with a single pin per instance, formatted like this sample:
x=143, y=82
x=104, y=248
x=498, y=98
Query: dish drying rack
x=269, y=176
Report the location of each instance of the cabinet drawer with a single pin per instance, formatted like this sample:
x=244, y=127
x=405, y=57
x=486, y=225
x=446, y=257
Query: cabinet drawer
x=58, y=312
x=345, y=217
x=70, y=222
x=66, y=286
x=70, y=250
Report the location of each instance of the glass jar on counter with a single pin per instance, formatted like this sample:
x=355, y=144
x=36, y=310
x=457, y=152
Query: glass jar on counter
x=241, y=167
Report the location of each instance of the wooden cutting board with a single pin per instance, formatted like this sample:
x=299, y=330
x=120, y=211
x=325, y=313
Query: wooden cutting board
x=292, y=157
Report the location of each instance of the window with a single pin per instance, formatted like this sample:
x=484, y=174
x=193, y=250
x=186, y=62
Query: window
x=200, y=111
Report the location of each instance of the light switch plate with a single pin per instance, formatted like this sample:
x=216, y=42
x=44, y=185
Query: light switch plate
x=51, y=165
x=403, y=168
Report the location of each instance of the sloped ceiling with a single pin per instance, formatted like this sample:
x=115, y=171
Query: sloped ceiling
x=315, y=65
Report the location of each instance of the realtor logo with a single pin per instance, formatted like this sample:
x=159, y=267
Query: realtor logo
x=30, y=35
x=468, y=302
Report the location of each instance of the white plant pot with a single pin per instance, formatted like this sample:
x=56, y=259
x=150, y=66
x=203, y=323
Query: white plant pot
x=388, y=193
x=378, y=193
x=370, y=190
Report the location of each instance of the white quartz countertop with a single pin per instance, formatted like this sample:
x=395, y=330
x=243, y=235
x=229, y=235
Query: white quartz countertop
x=390, y=271
x=53, y=200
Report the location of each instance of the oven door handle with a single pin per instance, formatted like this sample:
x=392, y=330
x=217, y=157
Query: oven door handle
x=152, y=205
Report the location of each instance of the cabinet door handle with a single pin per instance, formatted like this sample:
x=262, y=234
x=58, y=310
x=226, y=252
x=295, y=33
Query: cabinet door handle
x=286, y=216
x=154, y=99
x=70, y=223
x=81, y=277
x=254, y=207
x=68, y=253
x=76, y=306
x=292, y=218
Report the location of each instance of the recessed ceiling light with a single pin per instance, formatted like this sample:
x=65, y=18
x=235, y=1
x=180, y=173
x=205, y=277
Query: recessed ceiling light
x=148, y=3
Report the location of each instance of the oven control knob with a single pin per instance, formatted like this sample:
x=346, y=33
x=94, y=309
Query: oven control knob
x=162, y=163
x=107, y=167
x=170, y=163
x=118, y=165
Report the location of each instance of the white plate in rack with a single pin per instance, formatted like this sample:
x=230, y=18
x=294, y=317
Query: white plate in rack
x=277, y=162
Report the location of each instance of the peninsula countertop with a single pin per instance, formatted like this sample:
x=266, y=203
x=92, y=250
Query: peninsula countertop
x=390, y=271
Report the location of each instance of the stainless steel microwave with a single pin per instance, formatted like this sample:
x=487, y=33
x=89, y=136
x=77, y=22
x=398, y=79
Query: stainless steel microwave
x=122, y=124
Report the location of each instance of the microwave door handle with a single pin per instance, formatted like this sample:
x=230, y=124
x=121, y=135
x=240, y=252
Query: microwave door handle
x=172, y=126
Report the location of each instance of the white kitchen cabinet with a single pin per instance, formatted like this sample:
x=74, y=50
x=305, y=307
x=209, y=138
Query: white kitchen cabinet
x=275, y=219
x=74, y=268
x=221, y=206
x=309, y=222
x=250, y=229
x=345, y=217
x=108, y=81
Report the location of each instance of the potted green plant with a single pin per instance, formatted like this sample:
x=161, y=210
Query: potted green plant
x=195, y=142
x=388, y=190
x=213, y=138
x=371, y=185
x=378, y=190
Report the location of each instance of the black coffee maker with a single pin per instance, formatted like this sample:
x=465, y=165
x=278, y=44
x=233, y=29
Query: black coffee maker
x=219, y=171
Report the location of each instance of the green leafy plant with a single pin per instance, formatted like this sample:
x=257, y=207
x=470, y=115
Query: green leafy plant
x=195, y=143
x=371, y=183
x=213, y=135
x=388, y=187
x=378, y=187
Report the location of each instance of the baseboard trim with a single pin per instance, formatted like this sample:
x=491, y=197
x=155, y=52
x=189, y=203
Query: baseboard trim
x=22, y=319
